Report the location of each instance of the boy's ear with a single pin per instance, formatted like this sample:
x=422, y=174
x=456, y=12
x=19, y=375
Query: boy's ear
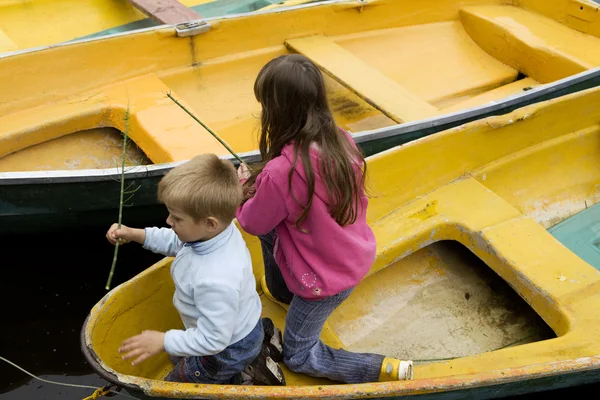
x=212, y=223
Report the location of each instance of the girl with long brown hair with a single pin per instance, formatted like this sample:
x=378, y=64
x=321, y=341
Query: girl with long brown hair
x=307, y=203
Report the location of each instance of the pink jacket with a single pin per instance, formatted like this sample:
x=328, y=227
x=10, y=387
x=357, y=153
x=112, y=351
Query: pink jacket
x=329, y=258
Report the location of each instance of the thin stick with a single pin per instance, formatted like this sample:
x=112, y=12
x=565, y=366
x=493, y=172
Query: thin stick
x=123, y=157
x=209, y=130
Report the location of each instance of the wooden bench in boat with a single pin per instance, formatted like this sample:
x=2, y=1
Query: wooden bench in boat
x=171, y=12
x=499, y=93
x=157, y=125
x=537, y=46
x=377, y=89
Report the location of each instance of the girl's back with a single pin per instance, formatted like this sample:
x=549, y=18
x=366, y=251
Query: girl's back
x=320, y=257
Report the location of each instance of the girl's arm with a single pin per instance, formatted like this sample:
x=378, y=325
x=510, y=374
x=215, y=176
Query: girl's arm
x=263, y=212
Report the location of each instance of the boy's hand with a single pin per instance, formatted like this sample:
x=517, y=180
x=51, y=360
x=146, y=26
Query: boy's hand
x=243, y=172
x=125, y=234
x=143, y=346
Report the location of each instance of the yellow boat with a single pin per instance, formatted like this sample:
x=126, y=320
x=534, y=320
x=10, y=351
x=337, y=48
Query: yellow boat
x=468, y=280
x=395, y=69
x=34, y=23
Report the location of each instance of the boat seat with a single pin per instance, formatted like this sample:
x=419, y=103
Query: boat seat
x=382, y=92
x=541, y=270
x=421, y=222
x=500, y=93
x=537, y=46
x=170, y=12
x=163, y=131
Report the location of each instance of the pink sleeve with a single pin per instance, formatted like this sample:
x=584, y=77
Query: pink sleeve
x=263, y=212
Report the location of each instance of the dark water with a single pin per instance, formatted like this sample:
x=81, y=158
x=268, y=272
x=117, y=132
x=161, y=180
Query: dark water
x=49, y=283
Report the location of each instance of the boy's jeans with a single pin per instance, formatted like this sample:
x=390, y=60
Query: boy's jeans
x=221, y=367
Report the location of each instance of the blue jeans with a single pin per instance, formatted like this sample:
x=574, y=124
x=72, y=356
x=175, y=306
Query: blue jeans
x=221, y=367
x=275, y=281
x=303, y=350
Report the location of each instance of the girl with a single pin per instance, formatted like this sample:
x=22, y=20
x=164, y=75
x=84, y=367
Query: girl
x=307, y=203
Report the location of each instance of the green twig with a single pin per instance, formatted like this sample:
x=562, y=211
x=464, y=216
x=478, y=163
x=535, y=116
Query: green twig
x=123, y=156
x=233, y=153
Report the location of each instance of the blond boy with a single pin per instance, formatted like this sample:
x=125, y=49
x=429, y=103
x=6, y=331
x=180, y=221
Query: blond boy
x=215, y=292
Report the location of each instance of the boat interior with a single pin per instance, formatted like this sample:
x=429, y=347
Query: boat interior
x=487, y=266
x=385, y=62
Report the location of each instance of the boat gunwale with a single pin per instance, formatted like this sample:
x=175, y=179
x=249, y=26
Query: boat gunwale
x=173, y=27
x=471, y=115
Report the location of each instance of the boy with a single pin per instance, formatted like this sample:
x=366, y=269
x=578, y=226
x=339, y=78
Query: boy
x=215, y=290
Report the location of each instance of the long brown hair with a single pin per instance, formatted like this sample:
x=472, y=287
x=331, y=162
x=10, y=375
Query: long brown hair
x=292, y=94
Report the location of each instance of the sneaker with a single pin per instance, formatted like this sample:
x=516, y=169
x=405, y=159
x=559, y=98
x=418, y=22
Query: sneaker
x=273, y=340
x=263, y=371
x=243, y=378
x=396, y=370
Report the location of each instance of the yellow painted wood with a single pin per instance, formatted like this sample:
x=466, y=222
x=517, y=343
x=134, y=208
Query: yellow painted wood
x=94, y=148
x=33, y=23
x=565, y=193
x=6, y=43
x=539, y=47
x=370, y=84
x=437, y=61
x=493, y=95
x=581, y=15
x=437, y=53
x=166, y=11
x=493, y=186
x=160, y=128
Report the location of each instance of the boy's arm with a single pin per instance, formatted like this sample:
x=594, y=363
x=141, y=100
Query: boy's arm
x=263, y=212
x=218, y=306
x=162, y=241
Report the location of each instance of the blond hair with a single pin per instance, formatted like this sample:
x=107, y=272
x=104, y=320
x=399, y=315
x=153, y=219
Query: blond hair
x=203, y=187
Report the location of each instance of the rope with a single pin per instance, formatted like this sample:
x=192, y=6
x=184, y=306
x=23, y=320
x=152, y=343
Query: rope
x=99, y=392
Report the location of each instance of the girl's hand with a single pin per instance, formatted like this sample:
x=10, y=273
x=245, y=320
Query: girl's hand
x=125, y=234
x=243, y=172
x=143, y=346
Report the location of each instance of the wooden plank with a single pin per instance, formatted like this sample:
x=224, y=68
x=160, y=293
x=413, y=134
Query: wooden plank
x=170, y=12
x=533, y=44
x=382, y=92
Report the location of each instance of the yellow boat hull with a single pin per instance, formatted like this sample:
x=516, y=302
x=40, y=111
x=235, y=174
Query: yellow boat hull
x=467, y=280
x=27, y=24
x=386, y=62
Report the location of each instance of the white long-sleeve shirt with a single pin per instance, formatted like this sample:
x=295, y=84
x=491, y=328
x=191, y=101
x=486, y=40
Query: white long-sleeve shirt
x=215, y=290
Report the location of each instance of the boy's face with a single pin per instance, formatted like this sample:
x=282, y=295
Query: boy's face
x=188, y=229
